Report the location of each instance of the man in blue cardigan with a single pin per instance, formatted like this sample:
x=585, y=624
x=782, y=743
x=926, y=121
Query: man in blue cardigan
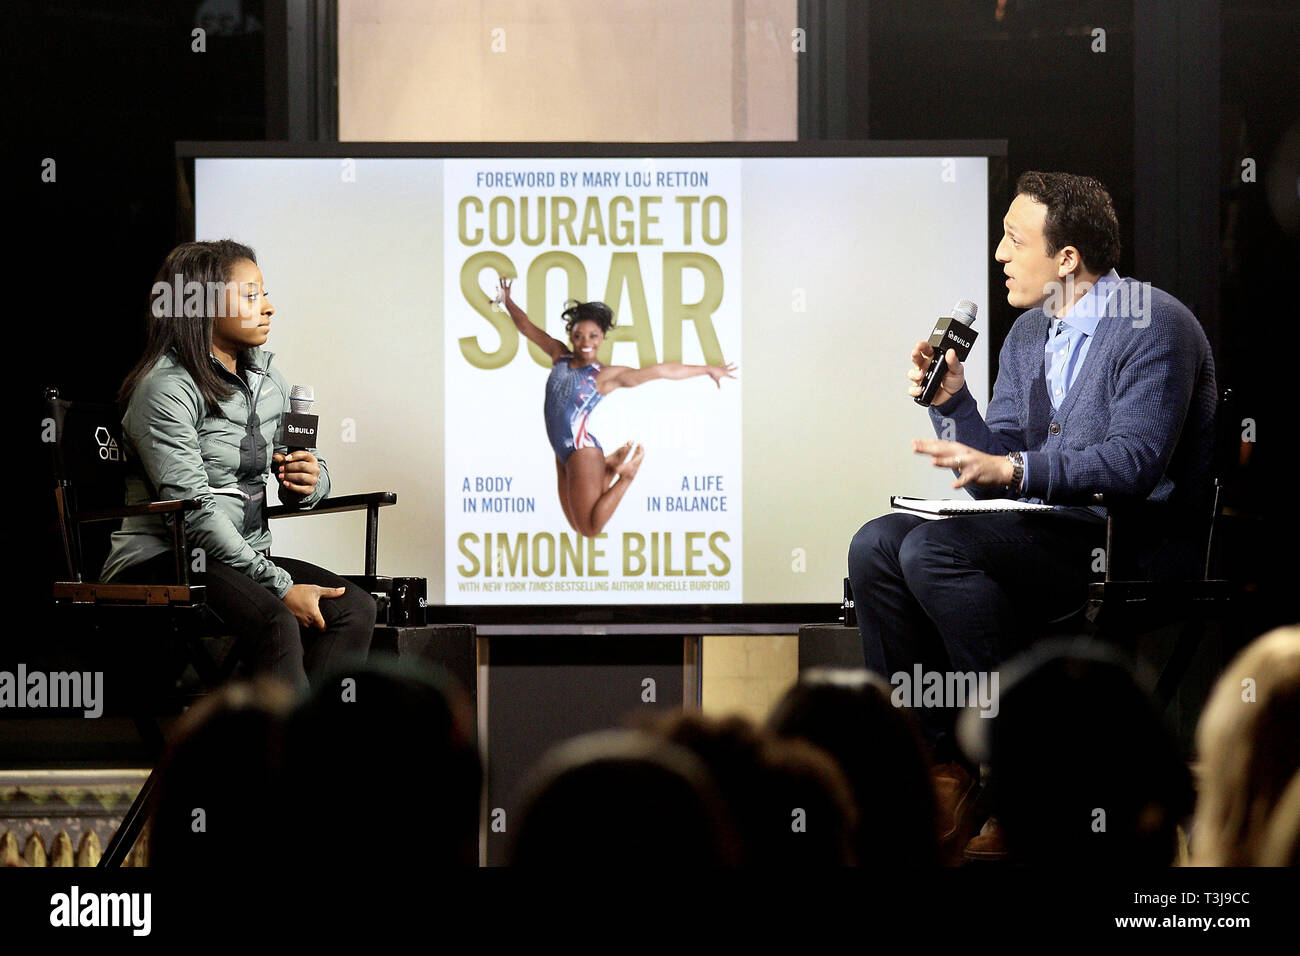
x=1104, y=385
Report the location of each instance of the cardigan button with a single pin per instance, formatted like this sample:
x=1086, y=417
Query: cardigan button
x=1054, y=428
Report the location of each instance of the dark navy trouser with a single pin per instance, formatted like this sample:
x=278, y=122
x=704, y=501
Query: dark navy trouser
x=965, y=593
x=274, y=642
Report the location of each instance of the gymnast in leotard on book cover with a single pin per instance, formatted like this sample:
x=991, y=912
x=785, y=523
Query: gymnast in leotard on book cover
x=591, y=483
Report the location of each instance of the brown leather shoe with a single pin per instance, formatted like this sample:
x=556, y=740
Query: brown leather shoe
x=989, y=846
x=954, y=791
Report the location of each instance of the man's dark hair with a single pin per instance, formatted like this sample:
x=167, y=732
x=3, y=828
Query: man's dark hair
x=1079, y=214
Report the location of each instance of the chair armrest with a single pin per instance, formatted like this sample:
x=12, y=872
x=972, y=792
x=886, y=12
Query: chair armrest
x=369, y=503
x=363, y=502
x=132, y=511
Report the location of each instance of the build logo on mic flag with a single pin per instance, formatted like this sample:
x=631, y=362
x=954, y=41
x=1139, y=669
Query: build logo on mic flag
x=659, y=242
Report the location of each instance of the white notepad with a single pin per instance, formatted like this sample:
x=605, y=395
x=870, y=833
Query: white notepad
x=946, y=507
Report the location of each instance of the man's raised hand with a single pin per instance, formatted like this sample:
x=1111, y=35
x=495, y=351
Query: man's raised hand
x=954, y=377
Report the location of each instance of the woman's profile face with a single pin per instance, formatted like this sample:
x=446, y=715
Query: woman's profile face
x=245, y=321
x=586, y=337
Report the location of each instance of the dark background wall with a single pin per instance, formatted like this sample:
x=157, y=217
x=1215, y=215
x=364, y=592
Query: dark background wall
x=107, y=88
x=1182, y=94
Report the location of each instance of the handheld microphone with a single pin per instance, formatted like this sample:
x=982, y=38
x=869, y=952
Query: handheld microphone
x=950, y=332
x=298, y=428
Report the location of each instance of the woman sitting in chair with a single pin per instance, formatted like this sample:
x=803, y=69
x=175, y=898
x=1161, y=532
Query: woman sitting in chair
x=202, y=411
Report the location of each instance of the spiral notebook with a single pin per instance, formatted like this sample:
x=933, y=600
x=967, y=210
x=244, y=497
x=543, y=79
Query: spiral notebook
x=947, y=507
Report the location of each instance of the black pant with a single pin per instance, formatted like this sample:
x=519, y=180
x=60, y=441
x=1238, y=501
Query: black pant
x=274, y=643
x=965, y=593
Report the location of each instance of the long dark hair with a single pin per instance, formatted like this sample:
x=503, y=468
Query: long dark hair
x=171, y=326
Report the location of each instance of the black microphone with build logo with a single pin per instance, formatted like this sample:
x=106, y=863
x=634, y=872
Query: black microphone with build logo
x=950, y=332
x=298, y=428
x=402, y=602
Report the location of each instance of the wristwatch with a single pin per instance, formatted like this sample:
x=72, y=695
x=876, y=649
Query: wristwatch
x=1017, y=460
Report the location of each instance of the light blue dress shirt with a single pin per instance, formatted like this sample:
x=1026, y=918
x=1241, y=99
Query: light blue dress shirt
x=1068, y=339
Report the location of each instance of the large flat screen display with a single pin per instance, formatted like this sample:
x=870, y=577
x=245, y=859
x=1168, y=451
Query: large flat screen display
x=812, y=276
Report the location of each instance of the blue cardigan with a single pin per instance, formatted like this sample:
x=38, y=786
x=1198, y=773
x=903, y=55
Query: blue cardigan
x=1138, y=421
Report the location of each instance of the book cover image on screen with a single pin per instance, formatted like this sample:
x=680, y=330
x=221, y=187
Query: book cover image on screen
x=703, y=400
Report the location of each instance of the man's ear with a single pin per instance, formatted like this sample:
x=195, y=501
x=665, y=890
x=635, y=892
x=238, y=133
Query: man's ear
x=1068, y=261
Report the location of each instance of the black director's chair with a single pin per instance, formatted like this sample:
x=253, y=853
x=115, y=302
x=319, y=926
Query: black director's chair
x=1141, y=594
x=90, y=467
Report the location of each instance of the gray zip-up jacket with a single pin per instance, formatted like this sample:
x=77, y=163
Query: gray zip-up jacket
x=178, y=450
